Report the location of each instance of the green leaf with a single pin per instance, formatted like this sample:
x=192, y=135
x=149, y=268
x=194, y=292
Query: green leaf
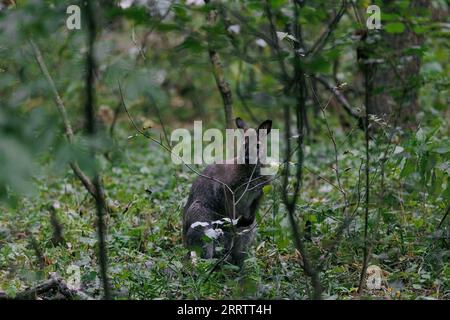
x=192, y=44
x=420, y=29
x=436, y=183
x=267, y=189
x=319, y=64
x=420, y=135
x=138, y=15
x=442, y=150
x=312, y=218
x=408, y=168
x=394, y=27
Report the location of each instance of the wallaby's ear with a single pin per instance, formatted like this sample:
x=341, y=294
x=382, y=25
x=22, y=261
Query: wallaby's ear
x=240, y=124
x=266, y=125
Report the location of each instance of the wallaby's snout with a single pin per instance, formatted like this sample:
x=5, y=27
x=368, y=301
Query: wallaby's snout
x=219, y=216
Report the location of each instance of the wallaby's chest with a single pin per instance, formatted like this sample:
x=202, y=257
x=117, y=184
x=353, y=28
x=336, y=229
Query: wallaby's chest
x=247, y=197
x=217, y=197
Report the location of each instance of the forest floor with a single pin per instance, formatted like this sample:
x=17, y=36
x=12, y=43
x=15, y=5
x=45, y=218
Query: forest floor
x=147, y=259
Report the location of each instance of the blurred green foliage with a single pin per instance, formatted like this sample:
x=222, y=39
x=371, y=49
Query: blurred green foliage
x=159, y=53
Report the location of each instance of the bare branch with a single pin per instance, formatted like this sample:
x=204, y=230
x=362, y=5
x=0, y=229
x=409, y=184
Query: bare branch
x=85, y=180
x=444, y=217
x=368, y=89
x=91, y=131
x=290, y=204
x=240, y=95
x=219, y=76
x=276, y=45
x=166, y=147
x=54, y=283
x=57, y=237
x=333, y=140
x=320, y=43
x=339, y=96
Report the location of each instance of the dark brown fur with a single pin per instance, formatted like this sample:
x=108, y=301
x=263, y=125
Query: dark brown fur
x=211, y=201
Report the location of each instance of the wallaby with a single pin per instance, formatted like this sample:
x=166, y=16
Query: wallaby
x=209, y=208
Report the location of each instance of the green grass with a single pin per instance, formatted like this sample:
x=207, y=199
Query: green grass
x=147, y=259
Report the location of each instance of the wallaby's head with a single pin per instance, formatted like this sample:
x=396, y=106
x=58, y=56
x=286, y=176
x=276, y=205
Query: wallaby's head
x=254, y=140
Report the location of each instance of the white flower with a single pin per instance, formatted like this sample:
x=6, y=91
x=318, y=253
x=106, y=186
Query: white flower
x=270, y=166
x=398, y=150
x=195, y=2
x=160, y=76
x=325, y=188
x=56, y=205
x=223, y=220
x=235, y=28
x=67, y=188
x=194, y=258
x=261, y=43
x=244, y=231
x=133, y=52
x=281, y=35
x=125, y=3
x=199, y=223
x=144, y=170
x=74, y=280
x=213, y=233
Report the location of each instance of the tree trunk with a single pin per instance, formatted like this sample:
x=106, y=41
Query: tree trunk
x=394, y=70
x=221, y=82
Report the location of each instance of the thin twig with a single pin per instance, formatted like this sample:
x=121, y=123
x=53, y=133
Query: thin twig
x=333, y=140
x=240, y=96
x=222, y=84
x=367, y=172
x=54, y=283
x=85, y=180
x=444, y=217
x=91, y=131
x=166, y=147
x=320, y=43
x=339, y=96
x=290, y=203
